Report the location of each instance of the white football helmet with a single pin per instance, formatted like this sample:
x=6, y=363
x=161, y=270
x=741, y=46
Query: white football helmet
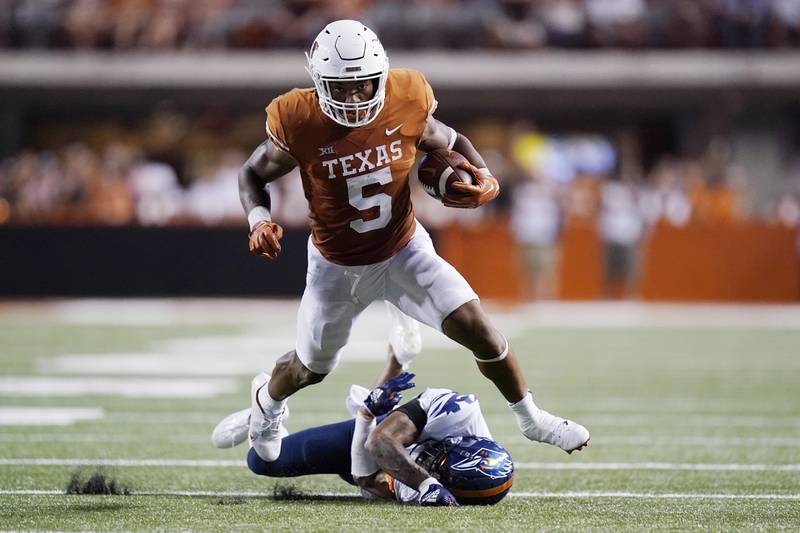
x=346, y=50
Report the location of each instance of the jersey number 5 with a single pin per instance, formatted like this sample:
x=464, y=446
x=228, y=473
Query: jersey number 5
x=355, y=193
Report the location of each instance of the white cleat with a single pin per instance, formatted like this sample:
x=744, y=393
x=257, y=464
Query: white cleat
x=404, y=336
x=232, y=430
x=566, y=434
x=265, y=428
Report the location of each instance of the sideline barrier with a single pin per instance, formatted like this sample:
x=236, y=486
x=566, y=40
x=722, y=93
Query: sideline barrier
x=747, y=262
x=136, y=261
x=743, y=262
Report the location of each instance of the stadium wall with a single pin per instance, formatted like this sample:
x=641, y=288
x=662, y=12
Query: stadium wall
x=736, y=262
x=145, y=262
x=746, y=262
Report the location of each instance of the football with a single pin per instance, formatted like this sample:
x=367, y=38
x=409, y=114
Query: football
x=439, y=169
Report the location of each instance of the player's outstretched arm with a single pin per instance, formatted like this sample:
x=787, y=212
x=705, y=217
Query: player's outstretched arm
x=266, y=164
x=484, y=187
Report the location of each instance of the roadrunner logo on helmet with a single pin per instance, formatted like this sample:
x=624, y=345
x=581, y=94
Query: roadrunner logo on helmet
x=478, y=471
x=346, y=50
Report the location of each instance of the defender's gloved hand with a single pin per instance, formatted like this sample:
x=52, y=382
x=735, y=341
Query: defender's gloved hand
x=264, y=239
x=483, y=189
x=437, y=495
x=384, y=398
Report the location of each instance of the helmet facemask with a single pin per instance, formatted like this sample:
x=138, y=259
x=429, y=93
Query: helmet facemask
x=351, y=114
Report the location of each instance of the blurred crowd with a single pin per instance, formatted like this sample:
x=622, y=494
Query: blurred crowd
x=173, y=169
x=409, y=24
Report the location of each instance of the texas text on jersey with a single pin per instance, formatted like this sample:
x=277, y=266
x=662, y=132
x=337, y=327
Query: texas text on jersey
x=356, y=179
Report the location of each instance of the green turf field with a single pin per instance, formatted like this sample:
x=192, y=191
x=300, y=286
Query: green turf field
x=693, y=427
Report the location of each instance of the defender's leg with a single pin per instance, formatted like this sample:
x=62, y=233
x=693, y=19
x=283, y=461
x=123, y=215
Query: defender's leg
x=405, y=343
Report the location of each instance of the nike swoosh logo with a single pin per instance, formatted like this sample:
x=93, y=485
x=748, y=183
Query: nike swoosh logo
x=389, y=132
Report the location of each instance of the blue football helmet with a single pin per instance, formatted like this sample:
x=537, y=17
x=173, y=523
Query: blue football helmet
x=478, y=471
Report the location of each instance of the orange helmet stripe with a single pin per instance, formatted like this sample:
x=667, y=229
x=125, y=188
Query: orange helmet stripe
x=483, y=493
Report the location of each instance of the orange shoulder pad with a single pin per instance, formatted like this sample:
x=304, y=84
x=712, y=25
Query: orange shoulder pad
x=286, y=115
x=410, y=87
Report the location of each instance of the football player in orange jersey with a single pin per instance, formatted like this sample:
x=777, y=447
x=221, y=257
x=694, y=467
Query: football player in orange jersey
x=354, y=137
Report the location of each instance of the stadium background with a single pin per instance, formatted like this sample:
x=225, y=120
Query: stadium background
x=645, y=149
x=648, y=151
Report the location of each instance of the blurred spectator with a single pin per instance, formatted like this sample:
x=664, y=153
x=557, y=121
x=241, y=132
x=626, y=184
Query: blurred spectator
x=86, y=24
x=785, y=23
x=621, y=224
x=565, y=22
x=664, y=197
x=616, y=23
x=536, y=224
x=744, y=23
x=157, y=192
x=214, y=198
x=787, y=210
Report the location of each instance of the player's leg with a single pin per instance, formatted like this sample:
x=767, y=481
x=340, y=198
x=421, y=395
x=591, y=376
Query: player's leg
x=318, y=450
x=426, y=287
x=324, y=320
x=393, y=368
x=469, y=326
x=405, y=342
x=290, y=375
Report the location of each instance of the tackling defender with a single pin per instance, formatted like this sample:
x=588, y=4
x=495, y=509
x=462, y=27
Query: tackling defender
x=435, y=450
x=354, y=137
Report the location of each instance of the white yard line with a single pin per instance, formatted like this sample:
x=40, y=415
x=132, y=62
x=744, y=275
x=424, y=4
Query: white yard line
x=679, y=421
x=542, y=315
x=47, y=416
x=571, y=494
x=681, y=441
x=655, y=495
x=230, y=463
x=603, y=440
x=714, y=467
x=127, y=462
x=67, y=386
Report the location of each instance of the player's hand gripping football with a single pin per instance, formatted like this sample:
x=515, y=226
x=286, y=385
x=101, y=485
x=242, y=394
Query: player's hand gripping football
x=264, y=239
x=483, y=189
x=384, y=398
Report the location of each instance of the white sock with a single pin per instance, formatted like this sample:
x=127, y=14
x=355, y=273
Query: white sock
x=268, y=404
x=529, y=416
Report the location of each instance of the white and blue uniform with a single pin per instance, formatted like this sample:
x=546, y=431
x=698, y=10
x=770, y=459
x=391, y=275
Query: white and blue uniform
x=437, y=413
x=448, y=414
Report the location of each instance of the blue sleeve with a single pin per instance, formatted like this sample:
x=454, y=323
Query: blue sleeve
x=317, y=450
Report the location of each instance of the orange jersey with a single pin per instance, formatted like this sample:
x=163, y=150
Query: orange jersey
x=356, y=179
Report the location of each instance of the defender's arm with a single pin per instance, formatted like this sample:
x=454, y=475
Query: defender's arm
x=266, y=164
x=387, y=444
